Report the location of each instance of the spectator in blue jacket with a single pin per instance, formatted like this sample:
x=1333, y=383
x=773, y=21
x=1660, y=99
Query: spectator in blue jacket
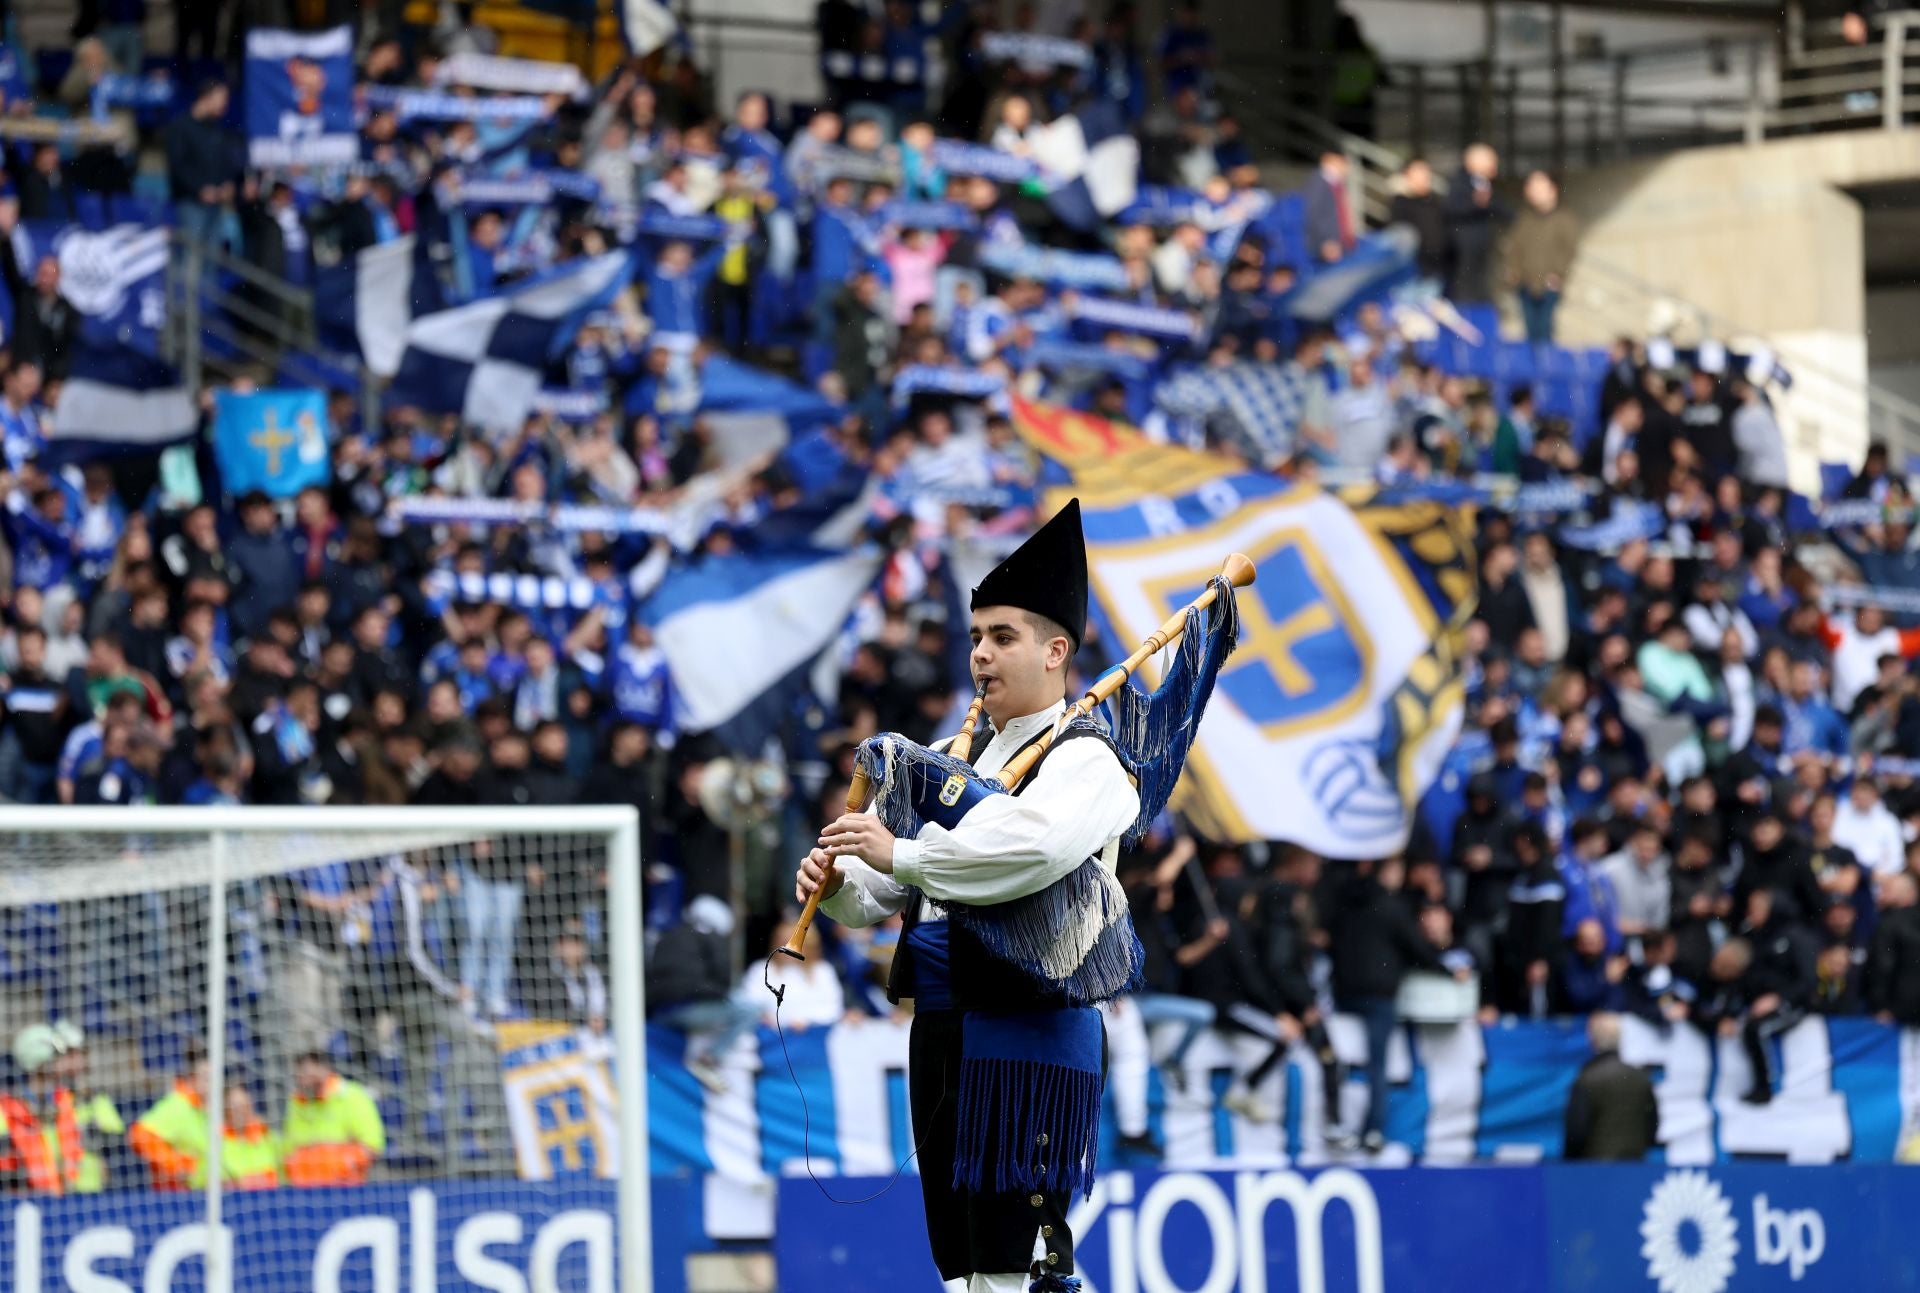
x=1811, y=723
x=1589, y=895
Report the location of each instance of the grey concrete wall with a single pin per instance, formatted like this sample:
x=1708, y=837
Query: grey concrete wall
x=1765, y=239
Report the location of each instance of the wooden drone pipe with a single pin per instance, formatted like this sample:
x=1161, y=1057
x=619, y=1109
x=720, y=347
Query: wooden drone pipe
x=1238, y=572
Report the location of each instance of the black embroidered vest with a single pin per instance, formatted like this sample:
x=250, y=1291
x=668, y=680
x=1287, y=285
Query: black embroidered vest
x=979, y=979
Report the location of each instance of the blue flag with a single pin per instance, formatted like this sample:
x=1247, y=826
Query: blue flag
x=300, y=98
x=275, y=441
x=119, y=393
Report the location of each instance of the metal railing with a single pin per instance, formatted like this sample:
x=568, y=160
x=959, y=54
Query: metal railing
x=228, y=318
x=1372, y=171
x=1591, y=109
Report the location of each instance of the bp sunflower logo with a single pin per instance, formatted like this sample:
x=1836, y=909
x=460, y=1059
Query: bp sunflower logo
x=1688, y=1235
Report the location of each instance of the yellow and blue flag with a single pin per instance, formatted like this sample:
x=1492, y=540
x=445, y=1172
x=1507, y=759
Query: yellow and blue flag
x=1332, y=717
x=272, y=441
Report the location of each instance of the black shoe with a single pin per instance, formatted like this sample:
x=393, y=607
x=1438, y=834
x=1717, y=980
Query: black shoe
x=1341, y=1141
x=1144, y=1143
x=1762, y=1094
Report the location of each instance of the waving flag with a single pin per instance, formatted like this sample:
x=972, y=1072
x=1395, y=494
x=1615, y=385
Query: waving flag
x=742, y=632
x=119, y=393
x=645, y=25
x=1332, y=717
x=487, y=360
x=1094, y=163
x=274, y=441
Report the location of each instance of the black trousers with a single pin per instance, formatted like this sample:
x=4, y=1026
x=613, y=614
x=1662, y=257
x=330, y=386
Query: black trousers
x=972, y=1231
x=1754, y=1036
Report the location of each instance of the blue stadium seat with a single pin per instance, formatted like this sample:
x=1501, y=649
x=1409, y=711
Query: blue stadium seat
x=1834, y=479
x=1516, y=361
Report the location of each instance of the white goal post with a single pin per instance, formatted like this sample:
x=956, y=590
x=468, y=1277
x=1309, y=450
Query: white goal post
x=419, y=952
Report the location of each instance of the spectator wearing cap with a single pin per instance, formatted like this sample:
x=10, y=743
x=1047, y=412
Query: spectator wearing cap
x=58, y=1131
x=1711, y=617
x=1777, y=861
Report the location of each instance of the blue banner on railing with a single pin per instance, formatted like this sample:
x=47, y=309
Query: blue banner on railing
x=1561, y=1229
x=1458, y=1094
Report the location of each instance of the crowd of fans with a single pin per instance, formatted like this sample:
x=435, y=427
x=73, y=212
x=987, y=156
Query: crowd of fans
x=1673, y=794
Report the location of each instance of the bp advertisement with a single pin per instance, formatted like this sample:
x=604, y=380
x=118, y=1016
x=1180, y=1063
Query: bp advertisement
x=1532, y=1229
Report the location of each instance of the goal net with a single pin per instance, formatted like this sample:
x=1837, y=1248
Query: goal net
x=321, y=1050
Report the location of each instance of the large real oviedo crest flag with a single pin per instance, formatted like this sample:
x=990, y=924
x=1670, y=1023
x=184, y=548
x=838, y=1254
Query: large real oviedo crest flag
x=1333, y=716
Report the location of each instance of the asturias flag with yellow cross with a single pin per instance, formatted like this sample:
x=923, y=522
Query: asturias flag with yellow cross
x=272, y=441
x=1333, y=716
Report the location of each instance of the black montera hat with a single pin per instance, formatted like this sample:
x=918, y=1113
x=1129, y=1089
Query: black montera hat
x=1046, y=575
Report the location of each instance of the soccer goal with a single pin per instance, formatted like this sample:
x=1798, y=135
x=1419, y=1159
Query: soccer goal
x=322, y=1049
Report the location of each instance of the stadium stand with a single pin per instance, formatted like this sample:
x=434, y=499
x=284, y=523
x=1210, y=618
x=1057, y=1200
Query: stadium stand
x=385, y=476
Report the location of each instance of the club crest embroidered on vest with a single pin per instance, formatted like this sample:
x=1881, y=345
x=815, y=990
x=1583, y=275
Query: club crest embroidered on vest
x=951, y=791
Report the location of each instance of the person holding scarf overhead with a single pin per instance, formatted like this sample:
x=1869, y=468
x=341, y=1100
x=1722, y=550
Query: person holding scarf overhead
x=996, y=1200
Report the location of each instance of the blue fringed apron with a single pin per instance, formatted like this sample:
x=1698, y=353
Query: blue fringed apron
x=1029, y=1116
x=1026, y=975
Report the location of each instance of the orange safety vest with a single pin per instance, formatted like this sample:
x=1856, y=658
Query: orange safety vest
x=28, y=1144
x=173, y=1169
x=256, y=1137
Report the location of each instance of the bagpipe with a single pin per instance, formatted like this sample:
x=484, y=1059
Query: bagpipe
x=1073, y=938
